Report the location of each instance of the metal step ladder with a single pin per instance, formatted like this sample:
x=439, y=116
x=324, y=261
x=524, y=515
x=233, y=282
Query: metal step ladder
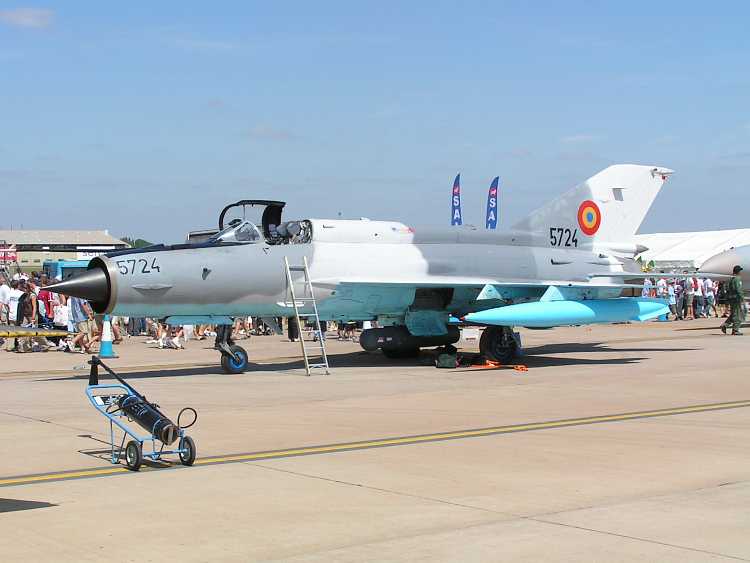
x=316, y=349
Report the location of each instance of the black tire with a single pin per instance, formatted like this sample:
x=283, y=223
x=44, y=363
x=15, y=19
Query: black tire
x=133, y=455
x=229, y=364
x=400, y=354
x=497, y=344
x=188, y=457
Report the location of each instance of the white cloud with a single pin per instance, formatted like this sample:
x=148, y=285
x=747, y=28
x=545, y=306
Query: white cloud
x=34, y=18
x=580, y=138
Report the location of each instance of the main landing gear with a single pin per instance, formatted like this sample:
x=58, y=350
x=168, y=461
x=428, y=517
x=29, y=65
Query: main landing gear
x=499, y=344
x=234, y=358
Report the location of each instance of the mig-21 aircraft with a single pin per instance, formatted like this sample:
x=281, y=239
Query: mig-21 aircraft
x=562, y=265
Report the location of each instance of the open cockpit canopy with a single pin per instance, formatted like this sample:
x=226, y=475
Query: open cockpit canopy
x=237, y=224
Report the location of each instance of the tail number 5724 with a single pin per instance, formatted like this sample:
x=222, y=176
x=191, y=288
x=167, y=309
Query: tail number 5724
x=559, y=236
x=138, y=265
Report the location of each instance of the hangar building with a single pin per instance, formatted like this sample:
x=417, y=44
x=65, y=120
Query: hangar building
x=29, y=249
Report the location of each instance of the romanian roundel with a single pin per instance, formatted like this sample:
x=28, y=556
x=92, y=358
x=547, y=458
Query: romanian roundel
x=589, y=217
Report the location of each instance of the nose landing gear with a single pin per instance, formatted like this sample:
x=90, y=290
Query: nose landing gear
x=234, y=358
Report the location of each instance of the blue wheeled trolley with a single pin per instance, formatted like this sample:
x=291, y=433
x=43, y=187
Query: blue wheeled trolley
x=119, y=401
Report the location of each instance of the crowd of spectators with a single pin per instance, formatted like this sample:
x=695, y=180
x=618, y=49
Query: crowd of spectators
x=689, y=297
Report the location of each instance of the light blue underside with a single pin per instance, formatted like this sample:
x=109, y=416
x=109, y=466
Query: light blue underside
x=544, y=314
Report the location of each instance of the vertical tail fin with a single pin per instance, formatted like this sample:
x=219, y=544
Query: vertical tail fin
x=607, y=208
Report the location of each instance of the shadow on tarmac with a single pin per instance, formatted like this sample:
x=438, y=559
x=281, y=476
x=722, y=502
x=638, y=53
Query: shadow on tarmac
x=587, y=347
x=715, y=329
x=14, y=505
x=535, y=356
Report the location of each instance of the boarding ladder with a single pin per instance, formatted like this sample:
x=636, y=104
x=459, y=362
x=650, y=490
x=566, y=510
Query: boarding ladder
x=317, y=349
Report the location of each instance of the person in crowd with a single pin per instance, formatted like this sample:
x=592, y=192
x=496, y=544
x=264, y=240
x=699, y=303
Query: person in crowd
x=60, y=319
x=200, y=332
x=716, y=298
x=689, y=298
x=14, y=297
x=679, y=295
x=661, y=288
x=4, y=298
x=117, y=330
x=242, y=328
x=154, y=331
x=699, y=302
x=37, y=316
x=292, y=329
x=46, y=304
x=83, y=319
x=647, y=287
x=323, y=329
x=721, y=299
x=350, y=329
x=136, y=326
x=20, y=276
x=671, y=299
x=4, y=303
x=171, y=337
x=709, y=294
x=736, y=300
x=26, y=314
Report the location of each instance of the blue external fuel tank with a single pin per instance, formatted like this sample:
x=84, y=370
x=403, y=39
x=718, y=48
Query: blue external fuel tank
x=544, y=314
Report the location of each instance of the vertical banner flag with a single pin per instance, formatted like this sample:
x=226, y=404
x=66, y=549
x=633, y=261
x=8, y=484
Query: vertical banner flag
x=456, y=202
x=491, y=221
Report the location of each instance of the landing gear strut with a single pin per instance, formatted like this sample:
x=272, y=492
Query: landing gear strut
x=234, y=359
x=498, y=344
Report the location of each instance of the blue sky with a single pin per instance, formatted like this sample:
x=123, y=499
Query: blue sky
x=146, y=118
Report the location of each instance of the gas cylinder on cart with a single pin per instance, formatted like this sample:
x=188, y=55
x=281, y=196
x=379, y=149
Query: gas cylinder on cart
x=148, y=417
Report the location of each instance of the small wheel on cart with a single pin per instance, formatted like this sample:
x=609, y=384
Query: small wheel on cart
x=133, y=455
x=231, y=365
x=187, y=455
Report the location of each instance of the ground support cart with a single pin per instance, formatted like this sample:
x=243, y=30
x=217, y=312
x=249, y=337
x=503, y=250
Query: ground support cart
x=109, y=399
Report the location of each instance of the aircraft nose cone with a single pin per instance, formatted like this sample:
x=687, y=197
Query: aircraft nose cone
x=720, y=263
x=91, y=285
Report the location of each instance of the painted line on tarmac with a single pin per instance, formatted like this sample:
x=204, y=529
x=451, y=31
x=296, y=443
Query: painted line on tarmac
x=376, y=443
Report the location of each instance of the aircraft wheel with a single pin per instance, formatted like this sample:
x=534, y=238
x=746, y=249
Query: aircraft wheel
x=400, y=353
x=133, y=455
x=231, y=365
x=498, y=345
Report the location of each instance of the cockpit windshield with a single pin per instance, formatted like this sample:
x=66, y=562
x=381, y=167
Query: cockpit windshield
x=237, y=232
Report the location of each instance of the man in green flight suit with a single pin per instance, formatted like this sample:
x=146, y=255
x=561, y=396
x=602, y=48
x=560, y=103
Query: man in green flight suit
x=736, y=301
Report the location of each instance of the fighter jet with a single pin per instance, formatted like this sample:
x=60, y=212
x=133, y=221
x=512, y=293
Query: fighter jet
x=562, y=265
